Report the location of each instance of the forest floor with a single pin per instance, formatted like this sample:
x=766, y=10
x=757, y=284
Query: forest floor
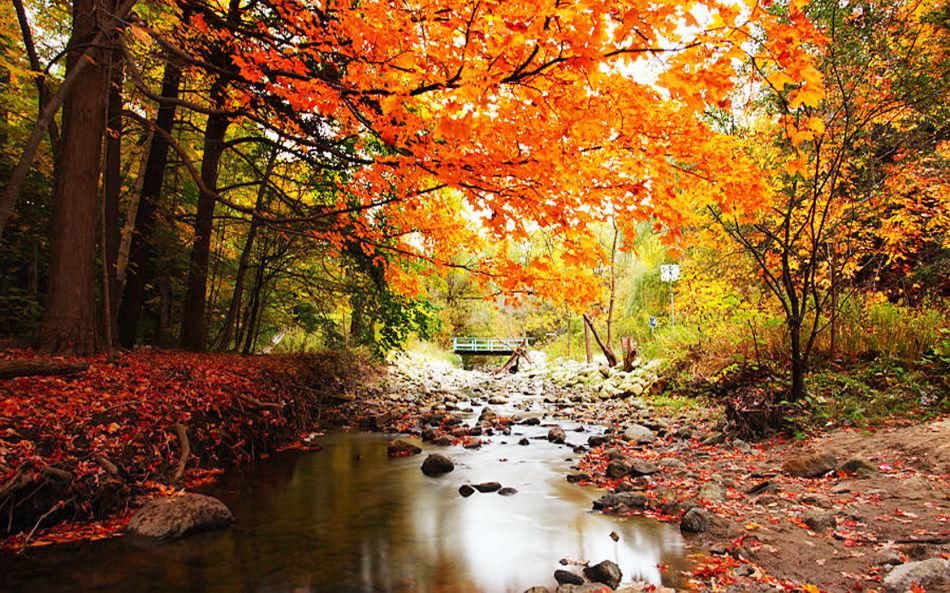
x=79, y=452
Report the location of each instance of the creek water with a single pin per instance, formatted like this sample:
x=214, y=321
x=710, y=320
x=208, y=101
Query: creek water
x=349, y=520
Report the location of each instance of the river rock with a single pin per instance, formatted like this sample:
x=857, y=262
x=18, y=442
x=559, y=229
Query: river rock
x=172, y=518
x=557, y=435
x=538, y=590
x=929, y=574
x=465, y=490
x=585, y=588
x=606, y=572
x=488, y=487
x=403, y=448
x=566, y=577
x=642, y=467
x=813, y=465
x=639, y=434
x=487, y=415
x=820, y=520
x=524, y=442
x=508, y=491
x=672, y=462
x=713, y=492
x=617, y=469
x=598, y=440
x=437, y=464
x=696, y=520
x=577, y=478
x=858, y=467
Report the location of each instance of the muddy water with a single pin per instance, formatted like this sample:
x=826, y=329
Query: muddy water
x=347, y=519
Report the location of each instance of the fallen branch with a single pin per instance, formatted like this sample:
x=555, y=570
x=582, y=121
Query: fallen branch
x=25, y=368
x=258, y=403
x=182, y=432
x=53, y=509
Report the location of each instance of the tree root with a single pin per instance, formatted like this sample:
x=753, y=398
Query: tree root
x=182, y=432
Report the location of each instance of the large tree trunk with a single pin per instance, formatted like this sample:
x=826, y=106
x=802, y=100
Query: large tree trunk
x=112, y=181
x=146, y=215
x=69, y=320
x=193, y=328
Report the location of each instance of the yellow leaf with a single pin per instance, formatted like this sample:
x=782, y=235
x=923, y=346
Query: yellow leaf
x=141, y=34
x=752, y=526
x=797, y=167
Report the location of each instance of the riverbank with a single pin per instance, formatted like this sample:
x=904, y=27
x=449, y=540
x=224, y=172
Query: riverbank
x=841, y=510
x=834, y=512
x=79, y=452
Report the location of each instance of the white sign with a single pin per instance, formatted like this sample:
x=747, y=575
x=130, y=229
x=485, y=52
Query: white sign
x=670, y=273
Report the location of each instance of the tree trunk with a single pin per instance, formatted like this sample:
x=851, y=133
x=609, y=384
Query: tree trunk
x=234, y=307
x=69, y=320
x=799, y=362
x=193, y=328
x=587, y=345
x=254, y=307
x=146, y=216
x=112, y=181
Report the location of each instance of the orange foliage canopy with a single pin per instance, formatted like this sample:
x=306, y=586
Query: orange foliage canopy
x=496, y=119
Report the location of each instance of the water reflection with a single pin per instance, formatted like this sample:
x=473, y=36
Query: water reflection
x=349, y=520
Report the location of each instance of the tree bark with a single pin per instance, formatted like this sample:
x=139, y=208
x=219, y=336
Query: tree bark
x=146, y=215
x=587, y=345
x=112, y=181
x=799, y=362
x=193, y=330
x=69, y=320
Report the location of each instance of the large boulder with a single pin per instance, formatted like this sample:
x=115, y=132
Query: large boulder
x=929, y=574
x=639, y=434
x=606, y=572
x=437, y=464
x=811, y=465
x=168, y=519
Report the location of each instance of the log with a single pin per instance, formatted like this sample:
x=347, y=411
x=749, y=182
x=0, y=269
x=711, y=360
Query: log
x=511, y=366
x=10, y=369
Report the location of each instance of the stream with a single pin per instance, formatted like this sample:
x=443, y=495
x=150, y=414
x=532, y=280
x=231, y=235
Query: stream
x=348, y=519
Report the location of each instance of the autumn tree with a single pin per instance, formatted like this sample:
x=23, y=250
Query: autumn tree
x=835, y=136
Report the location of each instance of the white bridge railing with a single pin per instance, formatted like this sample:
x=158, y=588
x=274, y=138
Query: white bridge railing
x=486, y=345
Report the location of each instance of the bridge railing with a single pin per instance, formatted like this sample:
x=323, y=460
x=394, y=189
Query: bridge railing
x=485, y=345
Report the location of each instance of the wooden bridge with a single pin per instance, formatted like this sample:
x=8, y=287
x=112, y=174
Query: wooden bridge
x=487, y=346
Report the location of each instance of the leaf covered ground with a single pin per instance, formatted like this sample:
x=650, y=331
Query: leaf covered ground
x=78, y=451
